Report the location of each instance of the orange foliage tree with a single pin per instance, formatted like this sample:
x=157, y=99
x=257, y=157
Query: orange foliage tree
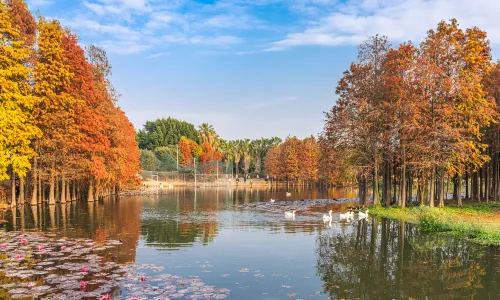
x=209, y=158
x=81, y=144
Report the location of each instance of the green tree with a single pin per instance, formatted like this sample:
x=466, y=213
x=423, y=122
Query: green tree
x=165, y=132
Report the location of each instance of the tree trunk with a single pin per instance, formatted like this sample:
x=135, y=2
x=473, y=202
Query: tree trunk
x=431, y=191
x=22, y=183
x=494, y=169
x=34, y=196
x=41, y=193
x=481, y=181
x=394, y=184
x=74, y=197
x=63, y=188
x=375, y=183
x=487, y=183
x=386, y=185
x=58, y=189
x=402, y=200
x=410, y=187
x=466, y=185
x=459, y=190
x=68, y=194
x=441, y=188
x=52, y=199
x=90, y=196
x=13, y=190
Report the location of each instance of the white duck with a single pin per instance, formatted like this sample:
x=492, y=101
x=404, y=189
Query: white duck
x=347, y=215
x=363, y=214
x=290, y=214
x=272, y=200
x=329, y=217
x=288, y=194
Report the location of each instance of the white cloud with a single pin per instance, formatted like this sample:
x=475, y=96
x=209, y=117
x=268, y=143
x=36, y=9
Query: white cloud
x=124, y=47
x=401, y=20
x=164, y=19
x=123, y=8
x=93, y=27
x=161, y=54
x=40, y=3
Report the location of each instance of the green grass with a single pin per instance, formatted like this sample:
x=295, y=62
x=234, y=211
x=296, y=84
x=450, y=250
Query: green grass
x=477, y=222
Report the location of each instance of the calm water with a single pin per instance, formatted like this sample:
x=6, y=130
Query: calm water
x=261, y=255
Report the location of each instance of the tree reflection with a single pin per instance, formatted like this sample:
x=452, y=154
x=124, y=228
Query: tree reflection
x=108, y=219
x=393, y=260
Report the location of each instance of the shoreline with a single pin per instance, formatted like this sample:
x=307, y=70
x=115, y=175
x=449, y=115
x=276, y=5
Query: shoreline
x=478, y=222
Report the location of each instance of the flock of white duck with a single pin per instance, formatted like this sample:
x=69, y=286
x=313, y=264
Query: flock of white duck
x=328, y=218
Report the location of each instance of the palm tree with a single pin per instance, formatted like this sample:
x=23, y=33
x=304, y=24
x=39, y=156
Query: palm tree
x=275, y=142
x=257, y=147
x=246, y=152
x=207, y=134
x=227, y=151
x=237, y=154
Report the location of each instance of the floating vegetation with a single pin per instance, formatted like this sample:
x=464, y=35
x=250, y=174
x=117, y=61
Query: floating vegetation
x=35, y=265
x=298, y=205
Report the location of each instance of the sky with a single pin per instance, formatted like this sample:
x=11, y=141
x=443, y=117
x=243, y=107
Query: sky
x=250, y=68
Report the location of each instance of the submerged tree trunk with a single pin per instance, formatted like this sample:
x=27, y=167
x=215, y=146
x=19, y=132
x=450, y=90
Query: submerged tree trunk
x=63, y=188
x=58, y=190
x=68, y=194
x=74, y=197
x=52, y=199
x=90, y=196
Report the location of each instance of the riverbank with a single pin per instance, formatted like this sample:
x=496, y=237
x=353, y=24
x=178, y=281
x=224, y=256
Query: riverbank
x=478, y=222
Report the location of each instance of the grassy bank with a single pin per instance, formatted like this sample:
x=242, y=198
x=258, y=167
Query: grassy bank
x=478, y=222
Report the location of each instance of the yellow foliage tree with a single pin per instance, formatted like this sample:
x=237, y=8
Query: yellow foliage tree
x=17, y=129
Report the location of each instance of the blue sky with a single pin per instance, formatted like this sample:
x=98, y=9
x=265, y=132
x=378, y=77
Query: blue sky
x=251, y=68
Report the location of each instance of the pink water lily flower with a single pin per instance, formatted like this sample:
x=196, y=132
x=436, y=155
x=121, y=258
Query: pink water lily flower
x=84, y=269
x=63, y=248
x=4, y=246
x=143, y=278
x=19, y=257
x=24, y=241
x=41, y=247
x=31, y=284
x=105, y=297
x=132, y=298
x=83, y=284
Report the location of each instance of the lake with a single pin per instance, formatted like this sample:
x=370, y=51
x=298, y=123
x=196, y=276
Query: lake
x=199, y=243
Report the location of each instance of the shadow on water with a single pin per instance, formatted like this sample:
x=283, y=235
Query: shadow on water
x=385, y=259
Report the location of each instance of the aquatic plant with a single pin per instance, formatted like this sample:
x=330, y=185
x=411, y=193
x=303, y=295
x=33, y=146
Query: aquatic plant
x=79, y=271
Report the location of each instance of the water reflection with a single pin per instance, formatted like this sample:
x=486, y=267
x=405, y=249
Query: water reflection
x=371, y=259
x=109, y=219
x=393, y=260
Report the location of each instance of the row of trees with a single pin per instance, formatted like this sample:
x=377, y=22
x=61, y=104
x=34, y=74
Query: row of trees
x=417, y=118
x=62, y=135
x=295, y=160
x=166, y=142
